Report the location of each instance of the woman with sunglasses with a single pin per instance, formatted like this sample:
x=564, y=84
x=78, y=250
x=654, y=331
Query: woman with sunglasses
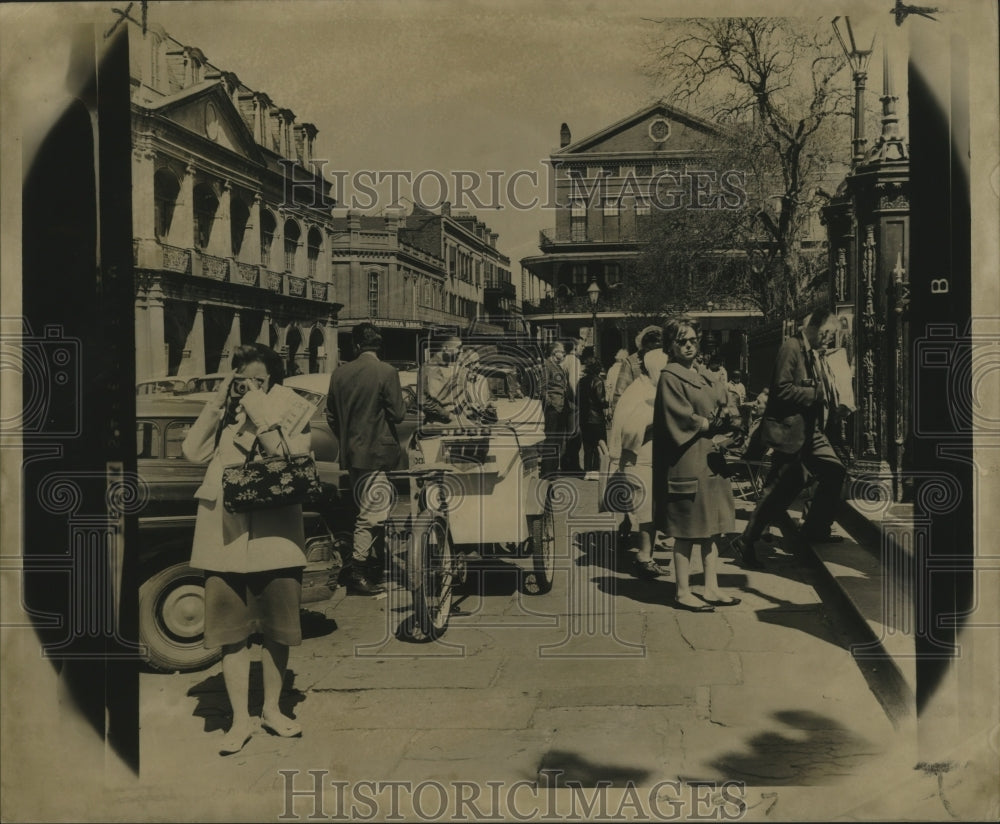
x=253, y=561
x=692, y=502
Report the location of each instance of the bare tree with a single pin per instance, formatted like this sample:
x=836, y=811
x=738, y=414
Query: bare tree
x=778, y=85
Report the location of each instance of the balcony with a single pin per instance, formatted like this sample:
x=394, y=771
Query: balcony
x=248, y=274
x=176, y=259
x=214, y=267
x=274, y=281
x=296, y=286
x=501, y=288
x=152, y=255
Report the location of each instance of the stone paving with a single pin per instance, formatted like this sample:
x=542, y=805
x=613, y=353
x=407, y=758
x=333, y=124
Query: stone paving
x=598, y=681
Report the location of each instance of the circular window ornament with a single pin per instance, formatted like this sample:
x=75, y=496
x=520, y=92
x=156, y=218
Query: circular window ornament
x=659, y=130
x=211, y=121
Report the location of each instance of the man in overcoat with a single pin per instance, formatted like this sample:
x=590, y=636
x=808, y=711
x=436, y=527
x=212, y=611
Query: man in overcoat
x=557, y=403
x=364, y=404
x=799, y=388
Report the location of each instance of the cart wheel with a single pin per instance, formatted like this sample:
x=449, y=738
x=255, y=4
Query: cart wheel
x=543, y=553
x=433, y=576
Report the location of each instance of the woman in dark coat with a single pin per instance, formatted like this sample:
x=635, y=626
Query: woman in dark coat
x=593, y=405
x=691, y=502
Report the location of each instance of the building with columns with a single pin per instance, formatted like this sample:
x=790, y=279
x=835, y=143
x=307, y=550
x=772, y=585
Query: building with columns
x=226, y=250
x=417, y=271
x=607, y=186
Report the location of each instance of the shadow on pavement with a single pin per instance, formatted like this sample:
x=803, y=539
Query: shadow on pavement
x=213, y=702
x=576, y=769
x=316, y=624
x=660, y=591
x=599, y=549
x=818, y=750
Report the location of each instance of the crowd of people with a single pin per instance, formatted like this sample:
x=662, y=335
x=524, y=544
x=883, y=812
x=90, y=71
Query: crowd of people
x=659, y=420
x=667, y=416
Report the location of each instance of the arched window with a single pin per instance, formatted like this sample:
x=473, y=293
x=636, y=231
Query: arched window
x=165, y=190
x=268, y=225
x=373, y=294
x=206, y=204
x=292, y=235
x=315, y=246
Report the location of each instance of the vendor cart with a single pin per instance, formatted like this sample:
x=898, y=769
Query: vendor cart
x=472, y=491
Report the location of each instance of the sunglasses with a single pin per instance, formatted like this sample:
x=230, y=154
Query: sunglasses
x=685, y=341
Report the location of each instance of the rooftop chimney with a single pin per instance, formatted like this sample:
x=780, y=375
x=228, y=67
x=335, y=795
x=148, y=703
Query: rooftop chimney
x=564, y=136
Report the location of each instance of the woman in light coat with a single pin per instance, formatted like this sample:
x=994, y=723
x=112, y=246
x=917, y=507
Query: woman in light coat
x=693, y=502
x=630, y=449
x=253, y=560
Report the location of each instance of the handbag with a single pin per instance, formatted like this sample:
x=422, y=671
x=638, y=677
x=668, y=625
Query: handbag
x=270, y=481
x=786, y=435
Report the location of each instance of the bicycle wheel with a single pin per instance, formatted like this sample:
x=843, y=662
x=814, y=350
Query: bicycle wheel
x=433, y=576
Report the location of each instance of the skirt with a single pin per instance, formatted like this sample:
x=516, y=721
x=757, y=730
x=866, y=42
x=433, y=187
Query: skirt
x=239, y=605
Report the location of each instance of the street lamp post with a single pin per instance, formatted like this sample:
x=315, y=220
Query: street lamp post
x=858, y=61
x=594, y=292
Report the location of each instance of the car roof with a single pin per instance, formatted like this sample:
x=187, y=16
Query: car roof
x=318, y=382
x=173, y=406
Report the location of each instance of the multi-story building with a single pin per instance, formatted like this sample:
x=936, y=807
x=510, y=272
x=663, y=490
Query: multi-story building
x=414, y=272
x=607, y=186
x=226, y=250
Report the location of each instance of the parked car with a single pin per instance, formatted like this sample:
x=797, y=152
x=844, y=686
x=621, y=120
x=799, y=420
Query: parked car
x=205, y=383
x=161, y=386
x=171, y=592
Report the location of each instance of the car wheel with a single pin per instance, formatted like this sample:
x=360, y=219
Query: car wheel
x=172, y=619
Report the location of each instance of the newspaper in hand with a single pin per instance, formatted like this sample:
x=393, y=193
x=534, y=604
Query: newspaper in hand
x=281, y=406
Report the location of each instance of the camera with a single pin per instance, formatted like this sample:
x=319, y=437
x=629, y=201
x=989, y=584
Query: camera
x=49, y=367
x=240, y=386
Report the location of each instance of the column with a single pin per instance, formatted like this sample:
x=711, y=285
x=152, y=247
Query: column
x=182, y=227
x=277, y=263
x=142, y=367
x=221, y=244
x=331, y=344
x=264, y=336
x=193, y=359
x=250, y=248
x=143, y=190
x=233, y=341
x=156, y=338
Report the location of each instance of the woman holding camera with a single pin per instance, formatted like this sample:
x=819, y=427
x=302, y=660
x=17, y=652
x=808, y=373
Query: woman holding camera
x=692, y=501
x=253, y=560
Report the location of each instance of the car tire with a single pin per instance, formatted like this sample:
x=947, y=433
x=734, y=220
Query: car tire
x=172, y=619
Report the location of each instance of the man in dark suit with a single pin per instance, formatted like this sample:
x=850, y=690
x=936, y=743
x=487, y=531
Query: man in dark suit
x=557, y=402
x=799, y=387
x=363, y=406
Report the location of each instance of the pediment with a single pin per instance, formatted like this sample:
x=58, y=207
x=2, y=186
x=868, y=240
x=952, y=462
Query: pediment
x=207, y=111
x=656, y=128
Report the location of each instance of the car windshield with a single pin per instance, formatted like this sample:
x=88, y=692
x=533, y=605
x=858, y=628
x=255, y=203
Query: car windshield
x=315, y=398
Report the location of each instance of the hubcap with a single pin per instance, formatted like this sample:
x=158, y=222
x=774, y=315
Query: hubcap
x=183, y=611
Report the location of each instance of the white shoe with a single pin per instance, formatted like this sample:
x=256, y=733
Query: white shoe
x=591, y=476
